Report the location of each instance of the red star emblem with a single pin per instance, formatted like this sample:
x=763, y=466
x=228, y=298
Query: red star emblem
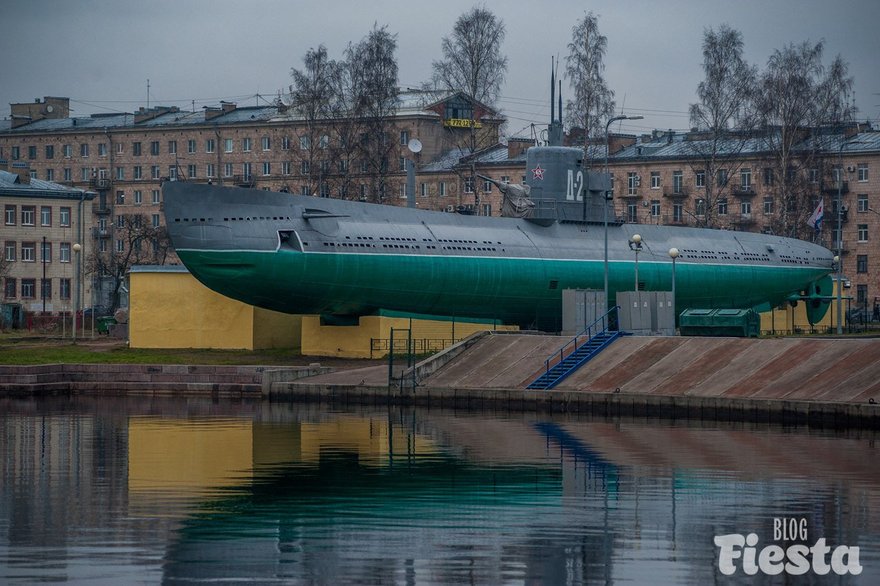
x=538, y=173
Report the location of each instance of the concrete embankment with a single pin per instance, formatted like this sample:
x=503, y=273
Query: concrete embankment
x=798, y=381
x=130, y=379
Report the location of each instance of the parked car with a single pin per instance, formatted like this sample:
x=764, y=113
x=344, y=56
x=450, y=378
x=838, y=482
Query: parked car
x=97, y=310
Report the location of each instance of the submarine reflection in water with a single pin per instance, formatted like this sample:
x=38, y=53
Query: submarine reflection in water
x=434, y=498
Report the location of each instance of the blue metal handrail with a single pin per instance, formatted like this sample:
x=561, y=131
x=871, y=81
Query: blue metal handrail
x=605, y=319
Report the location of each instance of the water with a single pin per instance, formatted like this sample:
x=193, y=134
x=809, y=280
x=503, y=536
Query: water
x=146, y=491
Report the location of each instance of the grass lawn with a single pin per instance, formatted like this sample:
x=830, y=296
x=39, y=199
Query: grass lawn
x=24, y=350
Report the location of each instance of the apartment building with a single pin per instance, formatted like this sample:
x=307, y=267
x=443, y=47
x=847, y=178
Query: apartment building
x=42, y=224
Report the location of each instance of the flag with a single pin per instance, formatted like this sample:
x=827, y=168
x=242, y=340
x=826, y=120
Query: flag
x=816, y=219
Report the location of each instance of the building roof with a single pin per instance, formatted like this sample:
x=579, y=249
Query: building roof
x=10, y=184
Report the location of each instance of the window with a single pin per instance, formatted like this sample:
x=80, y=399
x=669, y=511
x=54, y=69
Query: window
x=325, y=167
x=10, y=215
x=677, y=212
x=343, y=165
x=64, y=217
x=84, y=150
x=365, y=166
x=267, y=168
x=404, y=137
x=28, y=251
x=138, y=172
x=209, y=170
x=50, y=174
x=85, y=173
x=9, y=288
x=863, y=171
x=265, y=143
x=227, y=169
x=120, y=245
x=191, y=145
x=304, y=167
x=487, y=186
x=769, y=177
x=138, y=197
x=722, y=206
x=423, y=189
x=768, y=206
x=172, y=147
x=46, y=252
x=16, y=153
x=120, y=173
x=863, y=232
x=722, y=177
x=154, y=172
x=285, y=167
x=632, y=213
x=102, y=149
x=64, y=252
x=68, y=174
x=136, y=149
x=32, y=153
x=862, y=203
x=745, y=178
x=324, y=141
x=862, y=263
x=191, y=171
x=227, y=145
x=45, y=216
x=28, y=215
x=120, y=197
x=120, y=148
x=64, y=288
x=154, y=147
x=325, y=189
x=46, y=288
x=209, y=145
x=172, y=172
x=67, y=151
x=487, y=209
x=50, y=151
x=304, y=190
x=28, y=288
x=862, y=294
x=655, y=179
x=677, y=182
x=655, y=208
x=155, y=220
x=10, y=251
x=246, y=145
x=285, y=143
x=700, y=207
x=402, y=163
x=441, y=188
x=745, y=208
x=305, y=142
x=632, y=182
x=155, y=197
x=468, y=184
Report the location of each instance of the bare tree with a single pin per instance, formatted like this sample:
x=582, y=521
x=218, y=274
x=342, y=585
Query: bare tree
x=472, y=60
x=138, y=242
x=797, y=94
x=373, y=69
x=312, y=96
x=593, y=101
x=724, y=119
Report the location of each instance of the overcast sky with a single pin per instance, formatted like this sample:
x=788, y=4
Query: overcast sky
x=100, y=53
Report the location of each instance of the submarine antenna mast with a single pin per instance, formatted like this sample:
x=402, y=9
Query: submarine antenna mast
x=554, y=131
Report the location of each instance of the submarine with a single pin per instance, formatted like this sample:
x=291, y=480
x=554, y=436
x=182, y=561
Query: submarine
x=344, y=259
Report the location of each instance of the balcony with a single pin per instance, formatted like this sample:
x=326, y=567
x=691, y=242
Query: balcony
x=744, y=190
x=100, y=183
x=244, y=180
x=683, y=192
x=671, y=220
x=100, y=233
x=831, y=188
x=100, y=209
x=743, y=220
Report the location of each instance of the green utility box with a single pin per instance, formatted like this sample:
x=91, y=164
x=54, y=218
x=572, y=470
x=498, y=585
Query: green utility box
x=743, y=323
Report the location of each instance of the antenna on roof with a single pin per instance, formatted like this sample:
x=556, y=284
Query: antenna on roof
x=554, y=131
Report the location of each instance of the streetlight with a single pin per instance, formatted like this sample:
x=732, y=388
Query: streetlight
x=605, y=206
x=77, y=248
x=635, y=244
x=673, y=254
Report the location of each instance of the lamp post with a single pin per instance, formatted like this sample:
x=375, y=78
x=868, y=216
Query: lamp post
x=605, y=206
x=77, y=248
x=635, y=243
x=673, y=254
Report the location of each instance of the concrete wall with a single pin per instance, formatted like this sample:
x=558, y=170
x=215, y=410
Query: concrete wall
x=354, y=341
x=174, y=310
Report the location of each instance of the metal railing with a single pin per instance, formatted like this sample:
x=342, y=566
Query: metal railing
x=383, y=346
x=603, y=323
